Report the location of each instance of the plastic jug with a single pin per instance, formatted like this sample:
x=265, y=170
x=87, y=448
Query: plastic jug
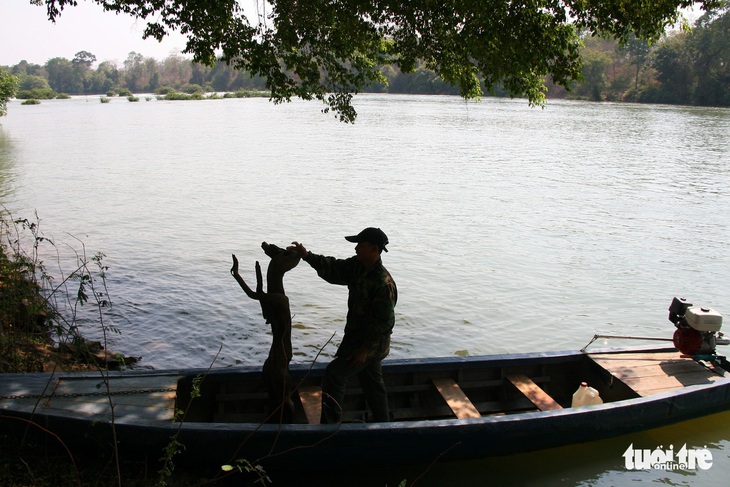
x=586, y=396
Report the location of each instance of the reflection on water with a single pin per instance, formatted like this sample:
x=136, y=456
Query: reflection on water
x=7, y=163
x=599, y=463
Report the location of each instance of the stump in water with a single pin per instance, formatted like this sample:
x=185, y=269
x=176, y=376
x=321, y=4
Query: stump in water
x=275, y=308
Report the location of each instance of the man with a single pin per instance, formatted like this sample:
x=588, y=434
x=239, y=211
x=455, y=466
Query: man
x=370, y=319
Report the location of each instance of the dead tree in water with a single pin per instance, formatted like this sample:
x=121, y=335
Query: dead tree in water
x=275, y=308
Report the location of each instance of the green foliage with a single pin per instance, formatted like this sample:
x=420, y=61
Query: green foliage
x=421, y=81
x=104, y=99
x=31, y=101
x=685, y=67
x=173, y=448
x=192, y=88
x=244, y=466
x=195, y=392
x=133, y=98
x=327, y=50
x=30, y=82
x=64, y=76
x=247, y=94
x=164, y=90
x=84, y=58
x=8, y=87
x=22, y=306
x=175, y=95
x=37, y=93
x=124, y=92
x=32, y=305
x=711, y=51
x=594, y=76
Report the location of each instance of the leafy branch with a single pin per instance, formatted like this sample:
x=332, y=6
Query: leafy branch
x=329, y=51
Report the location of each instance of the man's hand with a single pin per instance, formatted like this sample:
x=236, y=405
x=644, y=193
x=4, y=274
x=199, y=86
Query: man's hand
x=299, y=249
x=359, y=357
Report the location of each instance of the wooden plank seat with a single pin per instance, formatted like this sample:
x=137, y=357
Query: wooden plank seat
x=459, y=403
x=311, y=397
x=533, y=392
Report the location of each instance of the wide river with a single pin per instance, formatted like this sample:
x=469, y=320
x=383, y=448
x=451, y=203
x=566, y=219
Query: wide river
x=512, y=229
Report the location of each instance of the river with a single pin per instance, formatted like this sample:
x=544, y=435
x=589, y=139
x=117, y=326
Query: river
x=512, y=228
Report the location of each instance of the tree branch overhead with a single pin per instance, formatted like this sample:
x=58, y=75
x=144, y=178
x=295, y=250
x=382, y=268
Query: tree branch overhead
x=331, y=49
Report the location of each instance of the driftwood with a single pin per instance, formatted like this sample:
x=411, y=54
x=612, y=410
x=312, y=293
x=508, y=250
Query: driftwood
x=275, y=308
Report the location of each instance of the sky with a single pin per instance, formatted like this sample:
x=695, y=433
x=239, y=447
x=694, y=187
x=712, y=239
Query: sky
x=27, y=34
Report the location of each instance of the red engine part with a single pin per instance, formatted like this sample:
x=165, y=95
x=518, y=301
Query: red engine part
x=687, y=340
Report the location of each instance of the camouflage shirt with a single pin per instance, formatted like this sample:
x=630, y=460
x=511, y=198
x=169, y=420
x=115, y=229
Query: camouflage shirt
x=370, y=303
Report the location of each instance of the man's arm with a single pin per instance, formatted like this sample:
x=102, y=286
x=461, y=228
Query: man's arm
x=332, y=270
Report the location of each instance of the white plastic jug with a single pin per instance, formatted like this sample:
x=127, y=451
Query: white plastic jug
x=586, y=396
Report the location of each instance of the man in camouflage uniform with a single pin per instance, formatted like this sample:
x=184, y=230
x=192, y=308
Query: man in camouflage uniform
x=370, y=319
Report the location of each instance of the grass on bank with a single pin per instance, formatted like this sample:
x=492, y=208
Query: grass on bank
x=39, y=329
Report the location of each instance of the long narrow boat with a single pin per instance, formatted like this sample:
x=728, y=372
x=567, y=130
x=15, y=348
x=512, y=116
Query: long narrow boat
x=443, y=408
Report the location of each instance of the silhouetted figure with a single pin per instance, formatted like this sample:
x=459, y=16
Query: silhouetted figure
x=372, y=296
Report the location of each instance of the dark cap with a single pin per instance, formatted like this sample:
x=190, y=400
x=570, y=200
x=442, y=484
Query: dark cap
x=371, y=234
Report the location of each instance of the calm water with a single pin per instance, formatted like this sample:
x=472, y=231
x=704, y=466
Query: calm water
x=511, y=228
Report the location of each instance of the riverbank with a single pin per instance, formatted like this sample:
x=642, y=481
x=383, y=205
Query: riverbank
x=33, y=339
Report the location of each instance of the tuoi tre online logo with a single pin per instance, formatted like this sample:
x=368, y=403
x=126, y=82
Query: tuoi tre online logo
x=660, y=459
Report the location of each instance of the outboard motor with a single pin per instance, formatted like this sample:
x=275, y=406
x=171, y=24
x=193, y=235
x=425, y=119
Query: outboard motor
x=698, y=329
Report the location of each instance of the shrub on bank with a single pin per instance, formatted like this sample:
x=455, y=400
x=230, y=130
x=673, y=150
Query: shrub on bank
x=38, y=328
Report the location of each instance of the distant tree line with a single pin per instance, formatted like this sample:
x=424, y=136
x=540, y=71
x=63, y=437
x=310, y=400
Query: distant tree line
x=688, y=67
x=137, y=74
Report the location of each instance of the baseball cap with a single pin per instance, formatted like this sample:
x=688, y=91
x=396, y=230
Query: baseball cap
x=371, y=234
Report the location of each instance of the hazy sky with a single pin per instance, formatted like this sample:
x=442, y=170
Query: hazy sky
x=27, y=34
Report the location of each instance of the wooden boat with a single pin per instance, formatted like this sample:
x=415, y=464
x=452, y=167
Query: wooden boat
x=443, y=408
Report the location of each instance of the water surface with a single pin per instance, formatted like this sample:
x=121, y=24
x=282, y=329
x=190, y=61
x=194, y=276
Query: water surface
x=512, y=228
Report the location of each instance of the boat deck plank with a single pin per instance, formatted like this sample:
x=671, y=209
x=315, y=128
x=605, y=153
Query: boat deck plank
x=311, y=397
x=653, y=373
x=459, y=403
x=152, y=398
x=533, y=392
